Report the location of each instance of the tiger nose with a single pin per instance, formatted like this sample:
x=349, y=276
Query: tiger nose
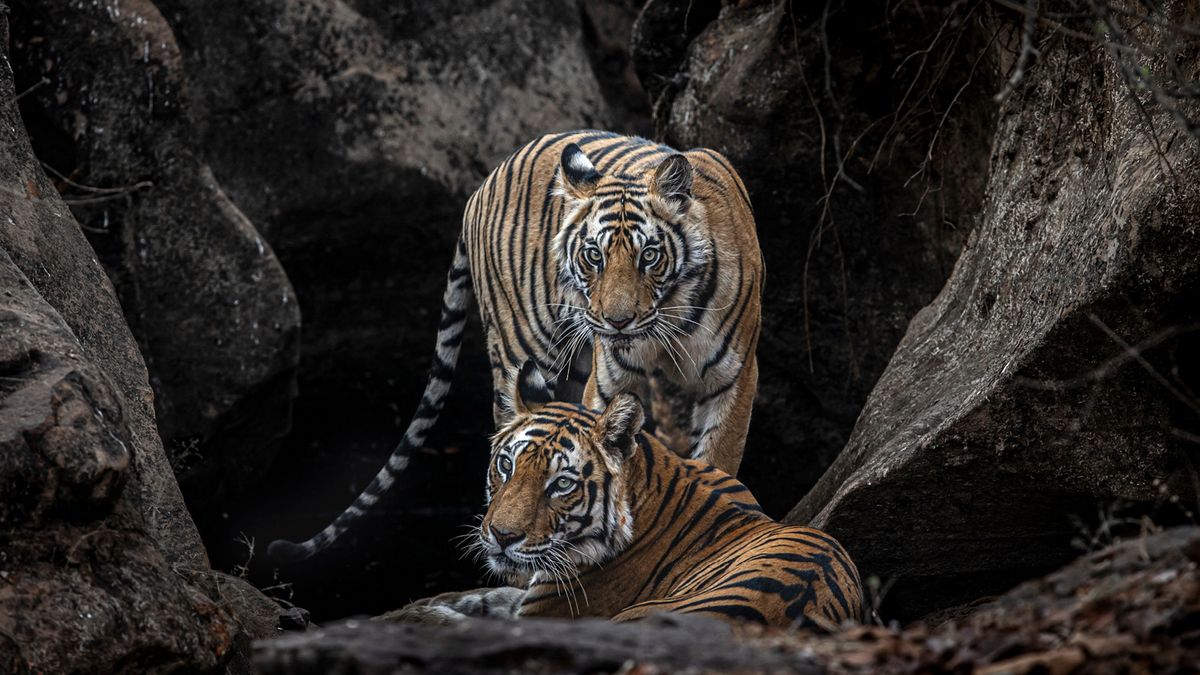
x=619, y=321
x=505, y=538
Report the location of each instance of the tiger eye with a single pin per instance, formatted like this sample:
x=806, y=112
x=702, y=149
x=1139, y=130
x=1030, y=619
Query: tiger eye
x=564, y=484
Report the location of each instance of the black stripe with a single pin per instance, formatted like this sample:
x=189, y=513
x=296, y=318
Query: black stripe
x=737, y=612
x=631, y=144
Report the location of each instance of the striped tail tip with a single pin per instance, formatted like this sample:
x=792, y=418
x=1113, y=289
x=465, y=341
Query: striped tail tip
x=283, y=551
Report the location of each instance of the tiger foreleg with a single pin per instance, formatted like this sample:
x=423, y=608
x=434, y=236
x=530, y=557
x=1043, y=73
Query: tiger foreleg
x=721, y=419
x=670, y=408
x=448, y=608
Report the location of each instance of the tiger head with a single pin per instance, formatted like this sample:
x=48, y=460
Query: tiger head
x=556, y=497
x=629, y=246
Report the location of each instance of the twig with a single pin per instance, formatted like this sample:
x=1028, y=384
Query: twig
x=1111, y=365
x=118, y=191
x=1027, y=50
x=40, y=83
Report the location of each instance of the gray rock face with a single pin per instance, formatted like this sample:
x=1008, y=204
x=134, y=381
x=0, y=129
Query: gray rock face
x=46, y=246
x=65, y=444
x=1051, y=375
x=101, y=569
x=213, y=311
x=861, y=207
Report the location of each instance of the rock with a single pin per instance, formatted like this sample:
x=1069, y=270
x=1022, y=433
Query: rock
x=46, y=246
x=77, y=560
x=1050, y=377
x=95, y=543
x=295, y=618
x=793, y=94
x=212, y=309
x=607, y=33
x=1131, y=608
x=64, y=441
x=661, y=644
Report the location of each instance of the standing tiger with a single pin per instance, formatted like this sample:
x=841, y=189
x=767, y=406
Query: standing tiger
x=610, y=262
x=608, y=522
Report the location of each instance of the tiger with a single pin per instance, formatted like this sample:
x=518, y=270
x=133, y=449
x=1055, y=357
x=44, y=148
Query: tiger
x=608, y=522
x=615, y=264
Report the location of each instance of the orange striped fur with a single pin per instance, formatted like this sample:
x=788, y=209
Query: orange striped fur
x=608, y=522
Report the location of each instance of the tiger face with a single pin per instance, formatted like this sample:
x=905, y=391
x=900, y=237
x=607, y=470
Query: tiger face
x=555, y=493
x=630, y=247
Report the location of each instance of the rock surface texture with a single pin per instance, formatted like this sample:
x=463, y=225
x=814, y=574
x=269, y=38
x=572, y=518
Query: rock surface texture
x=210, y=306
x=101, y=568
x=861, y=207
x=1064, y=623
x=1050, y=377
x=532, y=645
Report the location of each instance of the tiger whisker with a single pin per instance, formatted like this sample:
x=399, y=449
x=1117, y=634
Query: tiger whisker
x=680, y=348
x=673, y=328
x=566, y=568
x=553, y=567
x=658, y=335
x=565, y=356
x=579, y=551
x=568, y=546
x=684, y=318
x=569, y=337
x=573, y=579
x=587, y=558
x=581, y=336
x=702, y=309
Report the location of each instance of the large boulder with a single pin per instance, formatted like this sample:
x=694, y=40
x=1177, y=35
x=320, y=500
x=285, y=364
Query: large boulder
x=210, y=306
x=1054, y=375
x=101, y=568
x=866, y=166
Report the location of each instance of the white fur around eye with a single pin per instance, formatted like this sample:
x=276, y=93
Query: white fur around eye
x=504, y=467
x=557, y=490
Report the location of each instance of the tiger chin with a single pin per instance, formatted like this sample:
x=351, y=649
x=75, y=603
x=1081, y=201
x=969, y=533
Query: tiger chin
x=605, y=521
x=615, y=264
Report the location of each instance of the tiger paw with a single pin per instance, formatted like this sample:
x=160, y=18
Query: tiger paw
x=452, y=607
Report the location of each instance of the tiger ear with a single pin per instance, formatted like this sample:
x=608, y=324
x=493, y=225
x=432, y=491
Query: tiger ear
x=529, y=390
x=672, y=184
x=619, y=424
x=578, y=176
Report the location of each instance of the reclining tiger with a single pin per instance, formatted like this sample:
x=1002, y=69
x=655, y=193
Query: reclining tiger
x=610, y=523
x=615, y=264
